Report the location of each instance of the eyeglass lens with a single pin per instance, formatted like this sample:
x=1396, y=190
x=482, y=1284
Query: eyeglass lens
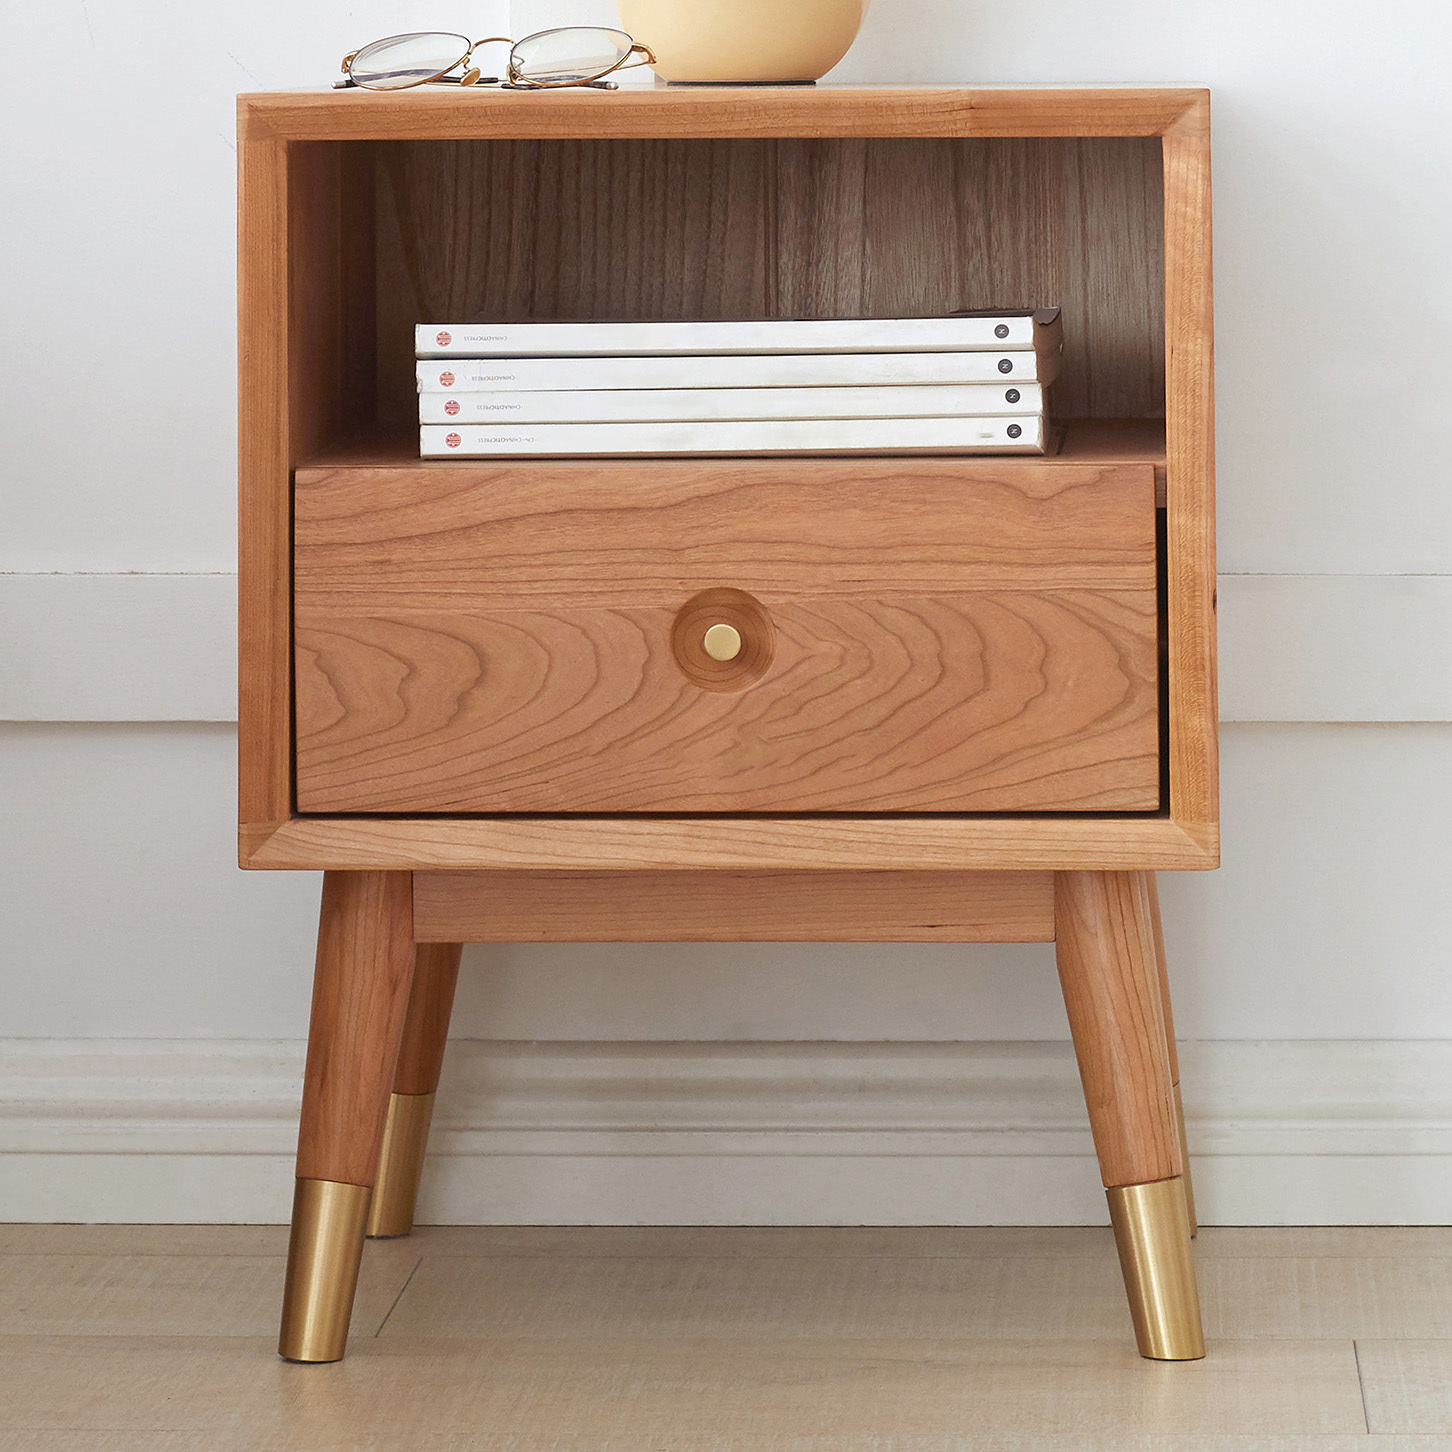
x=569, y=55
x=401, y=61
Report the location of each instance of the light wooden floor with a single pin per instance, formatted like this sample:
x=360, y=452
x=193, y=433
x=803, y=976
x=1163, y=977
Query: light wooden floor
x=158, y=1339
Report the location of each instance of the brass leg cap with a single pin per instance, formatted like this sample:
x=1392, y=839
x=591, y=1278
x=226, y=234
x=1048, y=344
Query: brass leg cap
x=405, y=1140
x=322, y=1269
x=1185, y=1160
x=1152, y=1231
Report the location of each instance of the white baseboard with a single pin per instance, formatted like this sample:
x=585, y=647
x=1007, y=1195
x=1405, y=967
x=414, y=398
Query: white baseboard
x=733, y=1133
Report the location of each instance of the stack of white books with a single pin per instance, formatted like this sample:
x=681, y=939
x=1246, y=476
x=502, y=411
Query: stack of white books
x=969, y=383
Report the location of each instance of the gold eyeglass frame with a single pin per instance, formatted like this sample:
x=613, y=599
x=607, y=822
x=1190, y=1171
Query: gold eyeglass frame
x=513, y=78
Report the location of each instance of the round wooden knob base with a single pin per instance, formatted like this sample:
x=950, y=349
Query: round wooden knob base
x=723, y=639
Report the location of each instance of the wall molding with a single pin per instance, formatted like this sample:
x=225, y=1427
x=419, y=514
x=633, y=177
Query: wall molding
x=1315, y=1132
x=162, y=647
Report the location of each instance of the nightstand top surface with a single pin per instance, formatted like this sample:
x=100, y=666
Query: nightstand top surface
x=723, y=111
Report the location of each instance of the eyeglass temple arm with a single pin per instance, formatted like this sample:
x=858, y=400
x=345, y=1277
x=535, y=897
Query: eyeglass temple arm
x=647, y=58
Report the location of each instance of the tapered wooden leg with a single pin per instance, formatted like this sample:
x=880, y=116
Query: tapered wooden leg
x=1153, y=892
x=1111, y=984
x=360, y=993
x=411, y=1105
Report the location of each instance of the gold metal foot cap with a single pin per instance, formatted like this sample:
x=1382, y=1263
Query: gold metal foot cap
x=405, y=1141
x=1152, y=1231
x=322, y=1269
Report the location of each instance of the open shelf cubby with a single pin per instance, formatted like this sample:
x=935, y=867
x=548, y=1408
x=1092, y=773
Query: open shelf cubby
x=682, y=229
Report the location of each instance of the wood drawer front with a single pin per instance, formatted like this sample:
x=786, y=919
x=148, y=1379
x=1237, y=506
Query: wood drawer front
x=949, y=636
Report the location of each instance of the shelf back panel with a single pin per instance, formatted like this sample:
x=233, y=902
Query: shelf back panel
x=515, y=231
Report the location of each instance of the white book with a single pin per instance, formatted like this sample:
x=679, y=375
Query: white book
x=958, y=332
x=778, y=436
x=779, y=370
x=647, y=405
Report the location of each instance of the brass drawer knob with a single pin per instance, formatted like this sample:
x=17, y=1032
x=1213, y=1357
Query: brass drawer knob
x=722, y=639
x=722, y=642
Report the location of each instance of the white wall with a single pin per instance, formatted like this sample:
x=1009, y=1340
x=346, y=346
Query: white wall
x=123, y=921
x=124, y=916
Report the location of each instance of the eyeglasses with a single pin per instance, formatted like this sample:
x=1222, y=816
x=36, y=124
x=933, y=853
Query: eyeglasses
x=575, y=55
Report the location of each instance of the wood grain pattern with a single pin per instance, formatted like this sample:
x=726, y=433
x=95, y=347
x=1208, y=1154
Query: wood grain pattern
x=651, y=229
x=904, y=227
x=735, y=610
x=1116, y=441
x=721, y=111
x=264, y=565
x=716, y=844
x=1157, y=935
x=740, y=907
x=305, y=377
x=1111, y=989
x=329, y=282
x=528, y=229
x=430, y=1004
x=360, y=994
x=948, y=638
x=1190, y=443
x=277, y=132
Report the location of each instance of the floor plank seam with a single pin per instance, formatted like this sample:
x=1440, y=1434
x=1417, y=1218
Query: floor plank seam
x=1361, y=1384
x=398, y=1297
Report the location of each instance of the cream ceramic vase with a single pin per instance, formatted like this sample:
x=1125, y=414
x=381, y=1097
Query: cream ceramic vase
x=744, y=40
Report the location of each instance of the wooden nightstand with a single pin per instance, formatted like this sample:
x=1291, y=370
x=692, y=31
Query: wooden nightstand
x=975, y=698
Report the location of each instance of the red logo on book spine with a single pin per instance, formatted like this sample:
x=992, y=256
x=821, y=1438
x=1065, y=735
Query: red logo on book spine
x=451, y=407
x=453, y=441
x=447, y=379
x=444, y=339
